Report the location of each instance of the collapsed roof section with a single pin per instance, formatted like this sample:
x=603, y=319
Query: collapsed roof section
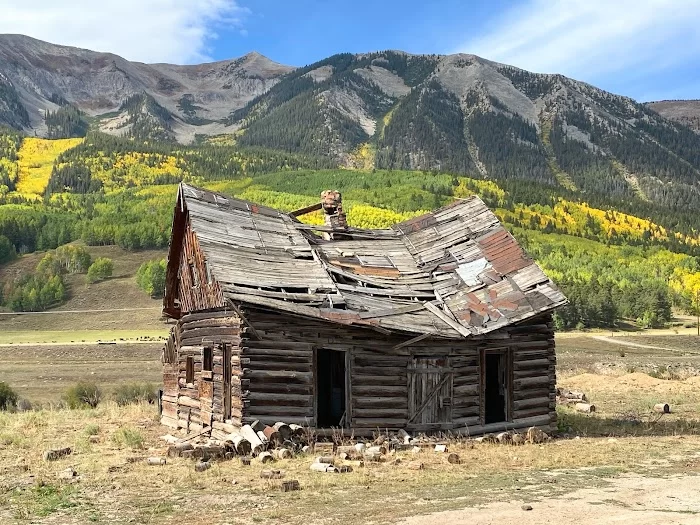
x=455, y=272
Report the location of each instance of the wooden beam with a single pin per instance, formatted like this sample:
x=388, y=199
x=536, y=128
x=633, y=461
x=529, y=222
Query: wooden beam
x=307, y=209
x=411, y=341
x=446, y=319
x=244, y=320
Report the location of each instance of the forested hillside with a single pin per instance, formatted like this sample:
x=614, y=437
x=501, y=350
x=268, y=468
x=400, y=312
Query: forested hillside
x=614, y=258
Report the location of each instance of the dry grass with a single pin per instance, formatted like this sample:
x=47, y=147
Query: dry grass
x=622, y=436
x=43, y=373
x=113, y=490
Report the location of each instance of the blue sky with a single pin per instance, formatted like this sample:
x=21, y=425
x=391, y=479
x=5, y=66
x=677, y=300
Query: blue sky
x=647, y=49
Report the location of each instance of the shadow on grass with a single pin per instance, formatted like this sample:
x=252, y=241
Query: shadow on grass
x=625, y=425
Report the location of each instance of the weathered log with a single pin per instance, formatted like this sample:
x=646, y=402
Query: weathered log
x=585, y=408
x=155, y=461
x=297, y=431
x=57, y=453
x=272, y=435
x=241, y=445
x=283, y=453
x=288, y=486
x=256, y=445
x=176, y=450
x=272, y=474
x=284, y=430
x=663, y=408
x=266, y=457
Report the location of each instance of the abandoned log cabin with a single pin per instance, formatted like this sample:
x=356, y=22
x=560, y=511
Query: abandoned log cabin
x=439, y=323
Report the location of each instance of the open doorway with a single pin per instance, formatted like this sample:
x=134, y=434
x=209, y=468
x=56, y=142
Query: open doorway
x=331, y=388
x=495, y=387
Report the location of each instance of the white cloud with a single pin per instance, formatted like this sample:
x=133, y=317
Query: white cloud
x=591, y=38
x=146, y=30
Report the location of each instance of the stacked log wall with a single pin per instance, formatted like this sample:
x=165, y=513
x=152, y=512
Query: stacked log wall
x=273, y=372
x=201, y=402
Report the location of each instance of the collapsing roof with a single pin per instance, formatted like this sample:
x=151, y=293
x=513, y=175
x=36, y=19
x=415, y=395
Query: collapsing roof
x=454, y=273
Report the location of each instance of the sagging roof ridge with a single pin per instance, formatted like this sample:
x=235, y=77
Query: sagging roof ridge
x=453, y=272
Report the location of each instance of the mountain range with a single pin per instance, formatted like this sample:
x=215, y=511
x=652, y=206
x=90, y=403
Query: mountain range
x=387, y=110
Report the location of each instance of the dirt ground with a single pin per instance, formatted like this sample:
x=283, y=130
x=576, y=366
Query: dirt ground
x=628, y=499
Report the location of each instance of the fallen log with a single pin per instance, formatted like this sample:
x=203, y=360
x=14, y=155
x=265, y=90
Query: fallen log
x=663, y=408
x=256, y=445
x=585, y=408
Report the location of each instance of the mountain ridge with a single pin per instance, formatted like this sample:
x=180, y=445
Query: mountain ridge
x=387, y=110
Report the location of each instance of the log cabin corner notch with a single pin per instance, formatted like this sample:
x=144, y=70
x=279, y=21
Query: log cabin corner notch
x=439, y=323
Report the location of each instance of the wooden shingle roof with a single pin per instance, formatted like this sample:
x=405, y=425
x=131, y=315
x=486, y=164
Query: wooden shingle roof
x=455, y=272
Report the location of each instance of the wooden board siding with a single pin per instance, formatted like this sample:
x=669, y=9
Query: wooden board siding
x=196, y=292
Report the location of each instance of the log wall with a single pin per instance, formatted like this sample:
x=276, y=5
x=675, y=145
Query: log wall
x=201, y=402
x=273, y=374
x=279, y=384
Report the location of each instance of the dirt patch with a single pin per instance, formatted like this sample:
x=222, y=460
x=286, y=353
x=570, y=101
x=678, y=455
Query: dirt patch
x=627, y=499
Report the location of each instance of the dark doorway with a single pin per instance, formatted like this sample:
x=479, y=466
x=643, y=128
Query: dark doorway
x=495, y=388
x=331, y=384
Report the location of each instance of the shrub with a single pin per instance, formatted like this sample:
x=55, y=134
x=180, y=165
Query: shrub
x=135, y=393
x=83, y=395
x=150, y=277
x=128, y=437
x=8, y=397
x=101, y=269
x=24, y=405
x=92, y=429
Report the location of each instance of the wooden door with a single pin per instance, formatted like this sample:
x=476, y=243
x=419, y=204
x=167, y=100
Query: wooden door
x=206, y=386
x=429, y=393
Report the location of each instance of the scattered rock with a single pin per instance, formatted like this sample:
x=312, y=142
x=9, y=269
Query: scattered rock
x=156, y=461
x=454, y=459
x=526, y=507
x=67, y=474
x=272, y=474
x=504, y=437
x=93, y=439
x=201, y=466
x=57, y=453
x=517, y=439
x=535, y=435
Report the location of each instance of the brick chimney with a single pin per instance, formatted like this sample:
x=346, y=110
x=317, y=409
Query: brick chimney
x=334, y=216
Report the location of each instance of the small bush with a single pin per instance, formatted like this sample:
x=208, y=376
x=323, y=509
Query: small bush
x=128, y=437
x=83, y=395
x=92, y=429
x=135, y=393
x=101, y=269
x=24, y=405
x=8, y=397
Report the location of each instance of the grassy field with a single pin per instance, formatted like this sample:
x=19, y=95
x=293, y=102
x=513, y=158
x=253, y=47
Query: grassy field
x=128, y=308
x=623, y=438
